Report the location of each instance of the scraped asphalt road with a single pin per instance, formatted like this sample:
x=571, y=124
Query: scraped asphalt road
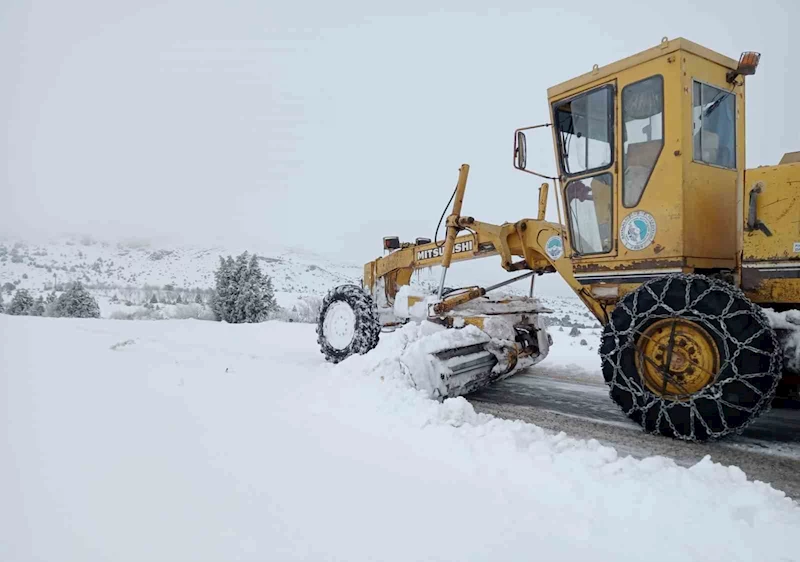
x=578, y=404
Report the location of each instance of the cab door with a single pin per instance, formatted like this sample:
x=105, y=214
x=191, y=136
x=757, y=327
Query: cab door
x=585, y=129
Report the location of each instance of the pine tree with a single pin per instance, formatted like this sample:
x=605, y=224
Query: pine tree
x=38, y=307
x=2, y=308
x=243, y=293
x=197, y=299
x=77, y=302
x=154, y=299
x=21, y=304
x=261, y=302
x=179, y=300
x=224, y=294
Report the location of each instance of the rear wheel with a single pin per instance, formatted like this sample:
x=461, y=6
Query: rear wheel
x=347, y=324
x=690, y=357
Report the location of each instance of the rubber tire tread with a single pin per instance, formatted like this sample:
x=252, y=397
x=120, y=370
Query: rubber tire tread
x=712, y=403
x=367, y=328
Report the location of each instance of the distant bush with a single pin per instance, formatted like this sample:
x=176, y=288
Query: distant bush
x=38, y=307
x=186, y=311
x=21, y=304
x=76, y=302
x=306, y=310
x=177, y=312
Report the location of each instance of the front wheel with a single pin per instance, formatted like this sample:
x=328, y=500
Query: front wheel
x=348, y=323
x=690, y=357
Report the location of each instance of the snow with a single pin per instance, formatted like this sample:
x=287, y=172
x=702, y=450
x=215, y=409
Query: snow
x=190, y=440
x=787, y=324
x=125, y=265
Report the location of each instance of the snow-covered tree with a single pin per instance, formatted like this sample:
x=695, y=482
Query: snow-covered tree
x=198, y=299
x=257, y=299
x=154, y=299
x=2, y=308
x=243, y=293
x=21, y=303
x=38, y=307
x=76, y=302
x=178, y=299
x=223, y=298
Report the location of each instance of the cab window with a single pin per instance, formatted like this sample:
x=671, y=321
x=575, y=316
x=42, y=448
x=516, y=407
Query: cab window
x=642, y=135
x=585, y=125
x=589, y=202
x=714, y=125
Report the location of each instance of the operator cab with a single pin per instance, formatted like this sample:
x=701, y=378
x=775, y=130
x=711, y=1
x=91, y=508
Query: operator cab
x=645, y=147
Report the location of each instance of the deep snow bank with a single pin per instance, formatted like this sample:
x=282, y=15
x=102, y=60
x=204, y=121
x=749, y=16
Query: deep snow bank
x=192, y=440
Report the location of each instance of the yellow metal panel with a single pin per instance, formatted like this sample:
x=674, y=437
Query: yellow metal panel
x=773, y=291
x=604, y=72
x=779, y=209
x=476, y=321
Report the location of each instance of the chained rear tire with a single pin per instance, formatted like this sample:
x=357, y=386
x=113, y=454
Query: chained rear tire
x=690, y=357
x=348, y=323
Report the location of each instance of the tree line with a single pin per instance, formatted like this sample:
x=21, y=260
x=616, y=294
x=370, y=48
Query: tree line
x=75, y=302
x=242, y=293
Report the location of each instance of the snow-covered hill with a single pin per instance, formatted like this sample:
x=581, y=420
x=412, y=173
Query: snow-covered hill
x=140, y=264
x=125, y=274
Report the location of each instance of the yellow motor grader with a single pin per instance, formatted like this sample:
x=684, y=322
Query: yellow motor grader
x=671, y=243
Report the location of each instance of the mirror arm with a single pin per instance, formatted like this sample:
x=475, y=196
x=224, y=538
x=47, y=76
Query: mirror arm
x=537, y=174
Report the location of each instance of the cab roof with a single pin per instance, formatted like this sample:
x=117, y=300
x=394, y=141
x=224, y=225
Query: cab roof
x=679, y=44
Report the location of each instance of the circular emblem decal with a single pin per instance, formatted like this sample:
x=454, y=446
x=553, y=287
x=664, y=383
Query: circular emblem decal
x=638, y=230
x=554, y=247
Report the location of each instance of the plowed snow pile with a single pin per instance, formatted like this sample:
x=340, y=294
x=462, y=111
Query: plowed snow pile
x=189, y=440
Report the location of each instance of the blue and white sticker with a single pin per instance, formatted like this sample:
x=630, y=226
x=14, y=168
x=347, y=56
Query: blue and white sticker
x=638, y=230
x=554, y=247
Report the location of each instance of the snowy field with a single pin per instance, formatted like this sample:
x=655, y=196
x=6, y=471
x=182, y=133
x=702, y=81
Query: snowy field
x=191, y=440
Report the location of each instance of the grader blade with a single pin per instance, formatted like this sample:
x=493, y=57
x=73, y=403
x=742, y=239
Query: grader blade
x=465, y=369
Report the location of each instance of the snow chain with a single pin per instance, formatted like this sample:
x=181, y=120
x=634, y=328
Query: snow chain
x=661, y=299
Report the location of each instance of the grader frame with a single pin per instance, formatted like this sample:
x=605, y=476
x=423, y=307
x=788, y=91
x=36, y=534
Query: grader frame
x=693, y=198
x=664, y=235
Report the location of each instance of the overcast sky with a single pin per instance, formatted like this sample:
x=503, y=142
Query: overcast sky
x=321, y=124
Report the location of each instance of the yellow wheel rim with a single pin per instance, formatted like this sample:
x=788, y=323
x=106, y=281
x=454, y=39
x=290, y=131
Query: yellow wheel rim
x=676, y=358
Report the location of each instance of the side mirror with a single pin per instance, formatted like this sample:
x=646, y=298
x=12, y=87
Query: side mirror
x=520, y=151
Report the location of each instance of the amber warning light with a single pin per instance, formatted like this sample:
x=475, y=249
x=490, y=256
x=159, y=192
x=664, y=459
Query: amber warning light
x=748, y=63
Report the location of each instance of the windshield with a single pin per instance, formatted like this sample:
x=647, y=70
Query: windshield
x=586, y=131
x=714, y=123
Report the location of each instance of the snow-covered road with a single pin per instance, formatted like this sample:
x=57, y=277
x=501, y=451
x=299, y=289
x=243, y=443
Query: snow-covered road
x=190, y=440
x=768, y=450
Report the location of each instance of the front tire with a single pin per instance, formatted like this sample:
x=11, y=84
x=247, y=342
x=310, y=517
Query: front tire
x=348, y=323
x=690, y=357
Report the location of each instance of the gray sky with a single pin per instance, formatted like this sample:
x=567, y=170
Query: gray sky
x=324, y=124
